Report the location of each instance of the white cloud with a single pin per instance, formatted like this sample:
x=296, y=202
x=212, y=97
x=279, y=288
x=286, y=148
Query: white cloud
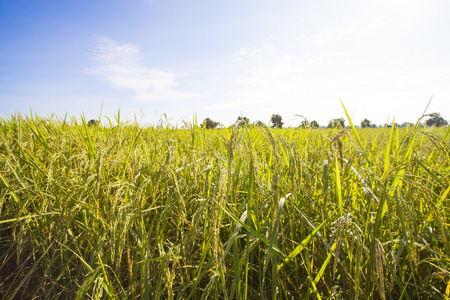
x=352, y=30
x=242, y=52
x=289, y=84
x=121, y=66
x=380, y=17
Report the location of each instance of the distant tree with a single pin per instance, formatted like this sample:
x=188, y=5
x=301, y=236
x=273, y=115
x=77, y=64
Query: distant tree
x=209, y=124
x=93, y=122
x=314, y=124
x=366, y=123
x=259, y=124
x=336, y=123
x=436, y=120
x=242, y=121
x=304, y=124
x=276, y=121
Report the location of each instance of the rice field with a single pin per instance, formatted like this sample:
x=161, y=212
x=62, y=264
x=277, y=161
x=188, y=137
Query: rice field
x=131, y=212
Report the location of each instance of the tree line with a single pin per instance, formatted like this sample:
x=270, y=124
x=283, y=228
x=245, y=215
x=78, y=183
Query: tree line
x=435, y=119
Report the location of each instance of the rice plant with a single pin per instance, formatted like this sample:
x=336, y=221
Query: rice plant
x=124, y=211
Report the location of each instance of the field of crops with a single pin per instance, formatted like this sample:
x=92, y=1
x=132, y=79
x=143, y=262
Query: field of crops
x=242, y=213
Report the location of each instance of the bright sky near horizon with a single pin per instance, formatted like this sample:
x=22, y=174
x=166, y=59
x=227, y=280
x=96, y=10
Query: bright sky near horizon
x=224, y=59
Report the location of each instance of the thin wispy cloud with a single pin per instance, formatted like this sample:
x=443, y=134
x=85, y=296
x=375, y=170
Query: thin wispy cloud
x=380, y=57
x=121, y=65
x=382, y=17
x=280, y=80
x=272, y=75
x=343, y=32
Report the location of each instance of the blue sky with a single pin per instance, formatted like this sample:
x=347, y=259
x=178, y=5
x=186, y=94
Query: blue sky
x=224, y=59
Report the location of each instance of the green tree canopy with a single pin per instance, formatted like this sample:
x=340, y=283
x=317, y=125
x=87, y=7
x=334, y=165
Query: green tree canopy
x=209, y=124
x=336, y=123
x=276, y=121
x=304, y=124
x=242, y=121
x=93, y=122
x=436, y=120
x=314, y=124
x=366, y=123
x=259, y=124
